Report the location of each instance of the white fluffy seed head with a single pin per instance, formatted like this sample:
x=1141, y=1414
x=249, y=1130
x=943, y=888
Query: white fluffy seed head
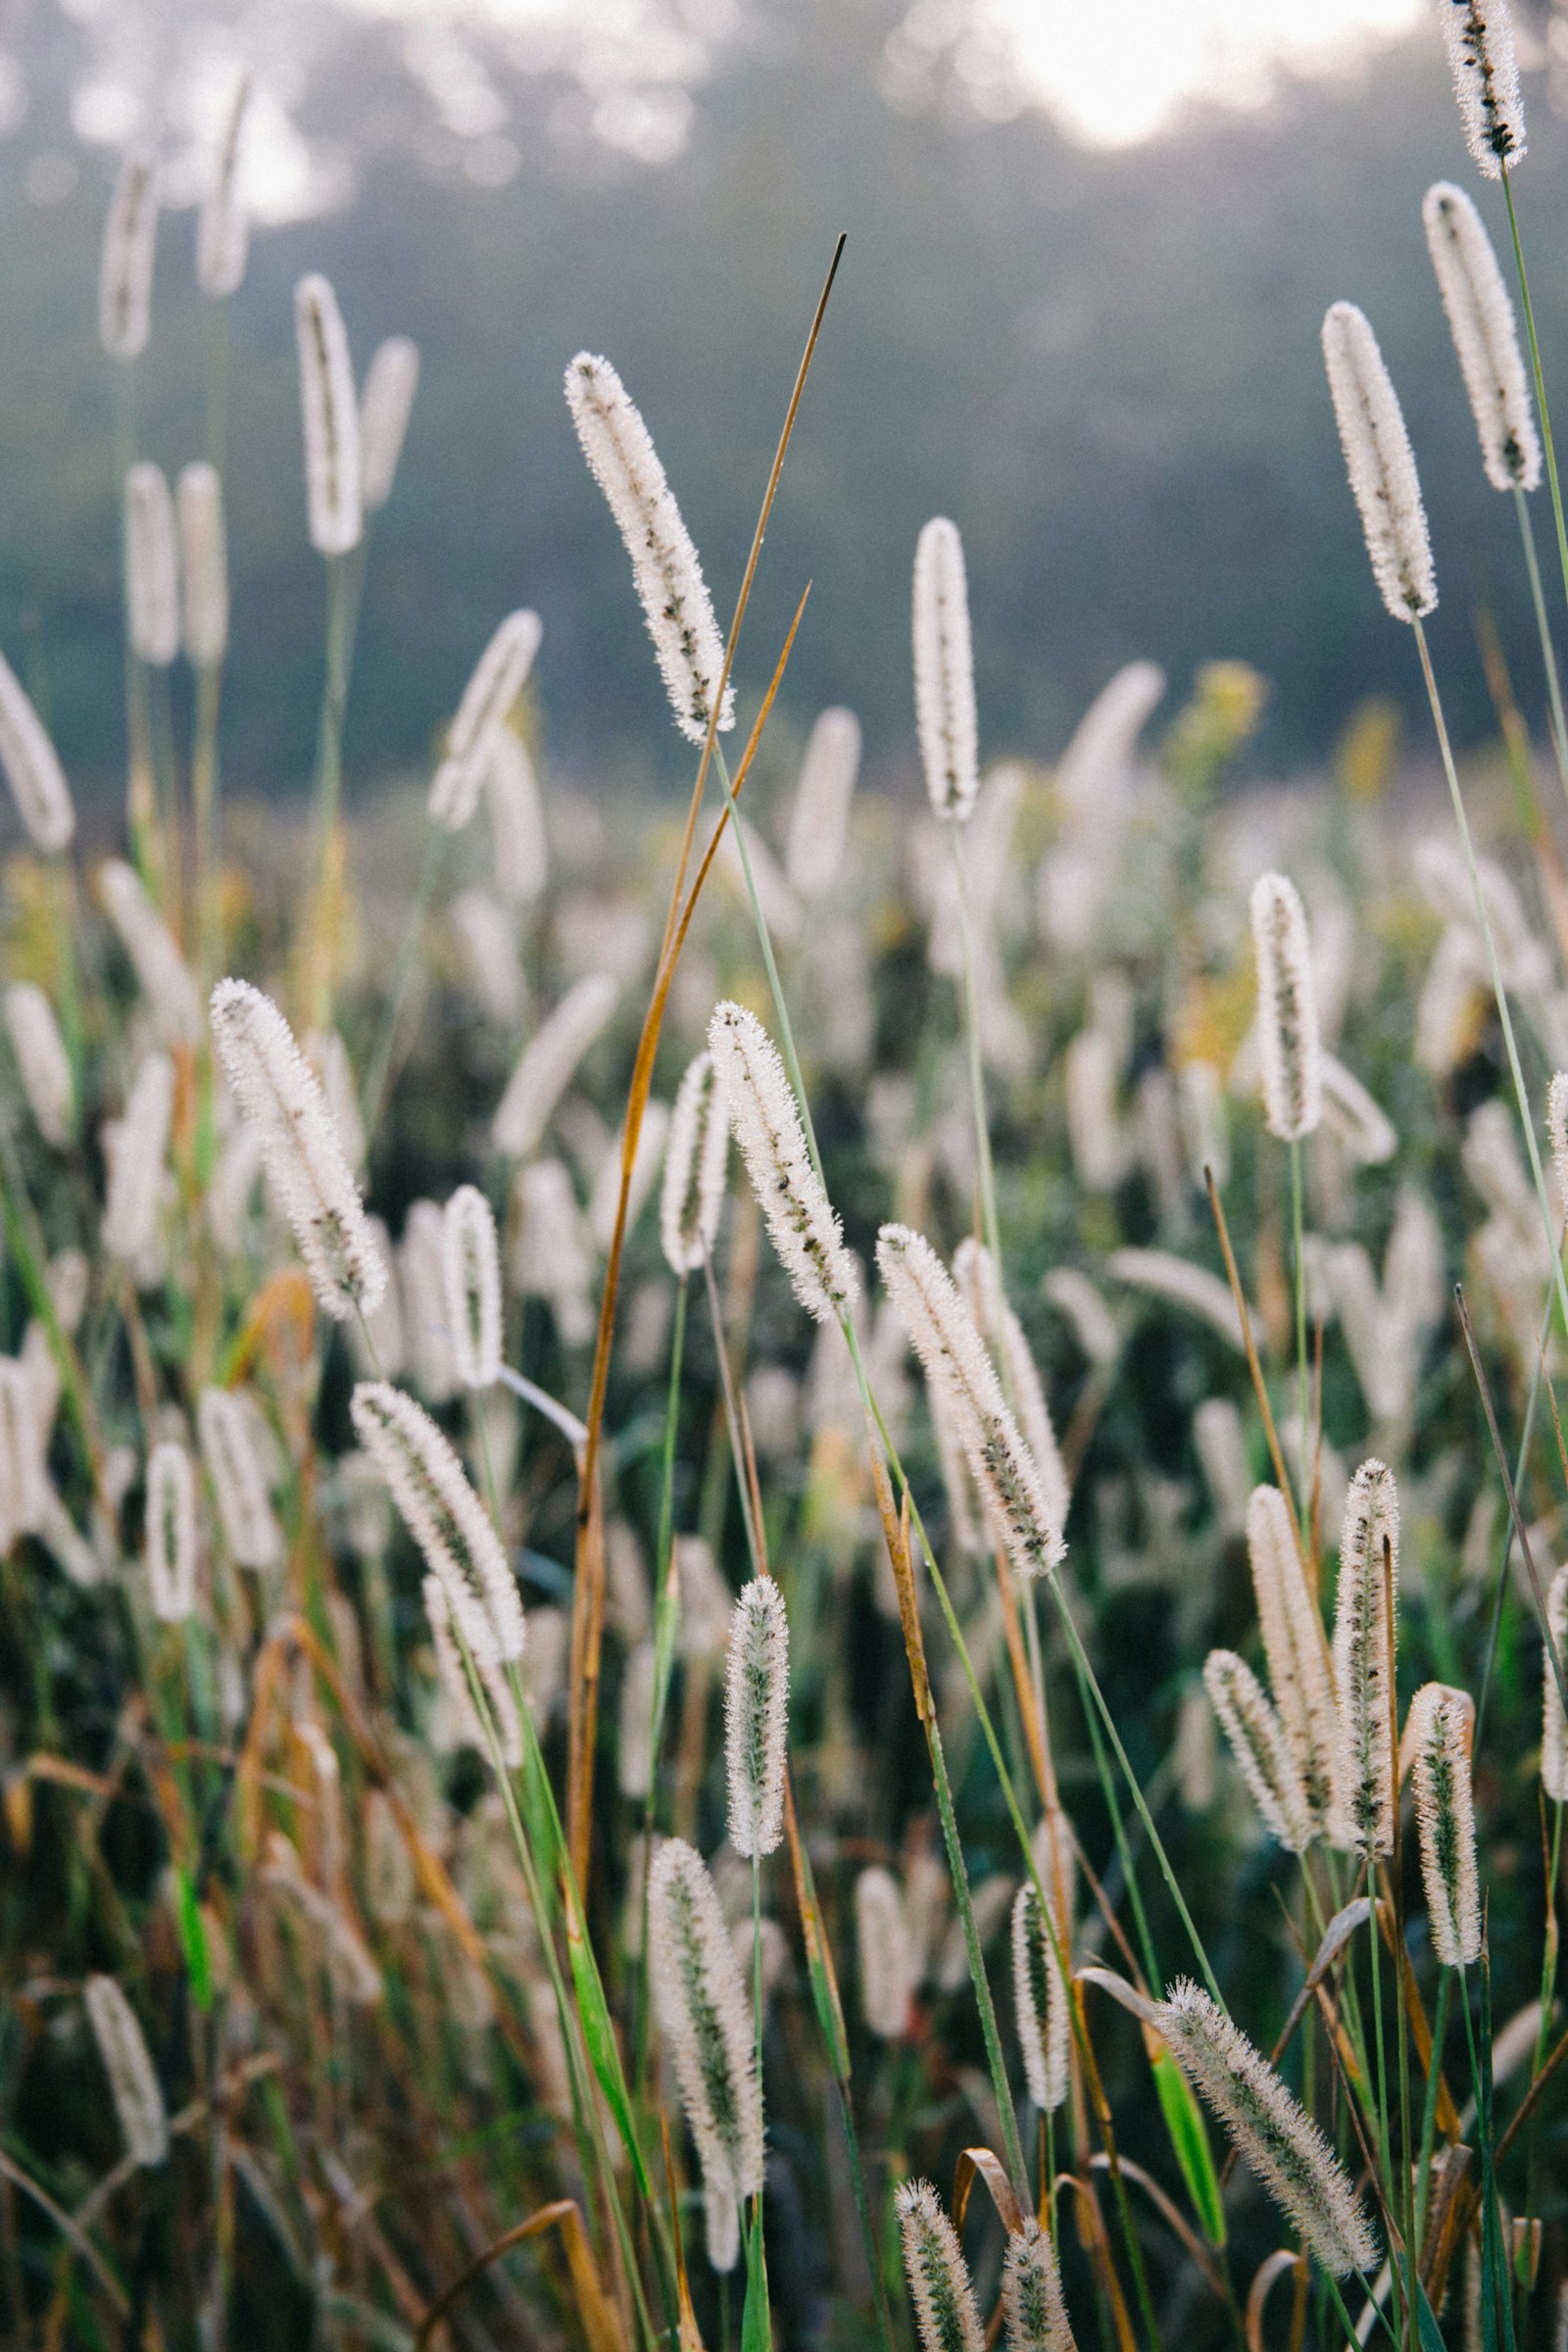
x=1294, y=1646
x=1379, y=461
x=1479, y=36
x=238, y=1480
x=386, y=404
x=457, y=1623
x=499, y=677
x=1261, y=1750
x=766, y=1121
x=25, y=1488
x=471, y=1268
x=170, y=1540
x=954, y=1358
x=307, y=1168
x=888, y=1962
x=692, y=1191
x=1485, y=339
x=443, y=1514
x=135, y=1146
x=1275, y=2136
x=704, y=2019
x=819, y=821
x=1363, y=1651
x=549, y=1063
x=519, y=848
x=152, y=566
x=1032, y=2307
x=203, y=564
x=132, y=2081
x=1288, y=1044
x=974, y=1271
x=1439, y=1731
x=1555, y=1724
x=1557, y=1129
x=130, y=247
x=944, y=672
x=162, y=972
x=222, y=225
x=1040, y=1999
x=33, y=768
x=42, y=1062
x=332, y=418
x=668, y=577
x=945, y=2312
x=756, y=1710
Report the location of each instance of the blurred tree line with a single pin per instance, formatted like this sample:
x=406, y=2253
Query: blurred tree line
x=1105, y=365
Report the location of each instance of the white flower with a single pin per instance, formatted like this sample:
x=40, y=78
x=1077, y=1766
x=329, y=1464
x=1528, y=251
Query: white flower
x=1288, y=1041
x=472, y=1266
x=698, y=1146
x=33, y=768
x=222, y=225
x=445, y=1517
x=332, y=418
x=1479, y=34
x=944, y=671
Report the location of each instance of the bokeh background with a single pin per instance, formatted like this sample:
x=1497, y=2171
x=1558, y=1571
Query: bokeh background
x=1089, y=249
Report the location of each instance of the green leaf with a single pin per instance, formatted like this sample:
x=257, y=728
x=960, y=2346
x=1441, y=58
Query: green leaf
x=193, y=1937
x=1189, y=2136
x=757, y=2324
x=604, y=2051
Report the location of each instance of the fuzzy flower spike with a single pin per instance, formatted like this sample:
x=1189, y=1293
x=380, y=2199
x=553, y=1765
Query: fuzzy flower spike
x=1289, y=1045
x=703, y=2015
x=499, y=677
x=331, y=418
x=675, y=601
x=756, y=1707
x=470, y=1265
x=1032, y=2308
x=1380, y=463
x=445, y=1517
x=1277, y=2137
x=1439, y=1731
x=945, y=2312
x=132, y=2080
x=1485, y=339
x=766, y=1121
x=1479, y=36
x=944, y=672
x=698, y=1146
x=1363, y=1654
x=306, y=1166
x=954, y=1358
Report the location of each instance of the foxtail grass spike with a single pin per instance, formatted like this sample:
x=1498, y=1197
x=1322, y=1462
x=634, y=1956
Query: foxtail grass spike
x=1380, y=463
x=944, y=672
x=549, y=1063
x=386, y=403
x=945, y=2312
x=696, y=1149
x=445, y=1517
x=703, y=2014
x=1554, y=1727
x=332, y=420
x=135, y=1148
x=1485, y=339
x=33, y=768
x=819, y=821
x=472, y=1265
x=1260, y=1747
x=756, y=1709
x=42, y=1062
x=766, y=1119
x=499, y=677
x=974, y=1270
x=162, y=972
x=1479, y=36
x=152, y=566
x=885, y=1953
x=668, y=577
x=1293, y=1644
x=1288, y=1044
x=1275, y=2136
x=129, y=250
x=1033, y=2312
x=132, y=2081
x=1363, y=1645
x=203, y=564
x=954, y=1358
x=307, y=1166
x=238, y=1480
x=170, y=1550
x=1040, y=1999
x=1439, y=1731
x=449, y=1607
x=222, y=225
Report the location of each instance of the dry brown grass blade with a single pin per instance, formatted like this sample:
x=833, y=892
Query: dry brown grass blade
x=1022, y=1681
x=598, y=2320
x=1448, y=2212
x=1258, y=2293
x=896, y=1534
x=979, y=2163
x=587, y=1616
x=1171, y=2214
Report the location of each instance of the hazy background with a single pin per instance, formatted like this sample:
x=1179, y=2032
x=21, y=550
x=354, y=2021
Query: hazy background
x=1078, y=311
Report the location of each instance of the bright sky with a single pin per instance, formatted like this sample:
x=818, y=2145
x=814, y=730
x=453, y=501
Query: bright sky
x=1114, y=69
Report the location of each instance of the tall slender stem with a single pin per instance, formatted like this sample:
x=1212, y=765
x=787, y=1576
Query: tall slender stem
x=1549, y=652
x=1540, y=377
